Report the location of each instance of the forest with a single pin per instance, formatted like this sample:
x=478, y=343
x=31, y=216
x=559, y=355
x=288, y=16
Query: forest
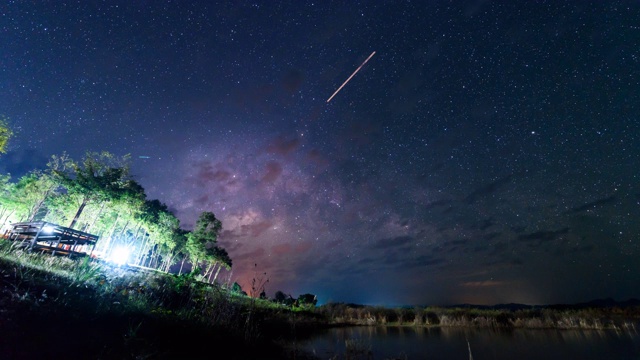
x=98, y=195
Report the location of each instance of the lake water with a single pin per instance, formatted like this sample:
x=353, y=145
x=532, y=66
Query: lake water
x=417, y=343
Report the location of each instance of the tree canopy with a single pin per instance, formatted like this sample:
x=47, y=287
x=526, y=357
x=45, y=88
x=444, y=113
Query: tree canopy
x=5, y=134
x=98, y=195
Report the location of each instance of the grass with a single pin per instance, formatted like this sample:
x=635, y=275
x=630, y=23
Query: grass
x=534, y=318
x=54, y=307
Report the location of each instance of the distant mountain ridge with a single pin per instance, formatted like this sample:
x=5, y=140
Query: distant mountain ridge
x=597, y=303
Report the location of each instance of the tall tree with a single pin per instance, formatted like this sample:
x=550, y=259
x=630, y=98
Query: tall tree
x=217, y=256
x=34, y=189
x=100, y=177
x=204, y=235
x=11, y=204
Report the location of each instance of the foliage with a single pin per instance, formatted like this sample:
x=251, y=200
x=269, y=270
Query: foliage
x=100, y=177
x=307, y=300
x=236, y=288
x=279, y=297
x=5, y=134
x=99, y=196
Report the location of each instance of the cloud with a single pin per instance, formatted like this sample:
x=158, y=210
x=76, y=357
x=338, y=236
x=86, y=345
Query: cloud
x=421, y=261
x=283, y=146
x=272, y=172
x=289, y=248
x=392, y=243
x=214, y=177
x=248, y=223
x=303, y=247
x=250, y=257
x=437, y=203
x=292, y=80
x=255, y=230
x=483, y=284
x=487, y=189
x=282, y=249
x=249, y=230
x=544, y=236
x=592, y=205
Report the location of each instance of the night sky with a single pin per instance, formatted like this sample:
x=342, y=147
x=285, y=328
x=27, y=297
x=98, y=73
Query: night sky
x=487, y=153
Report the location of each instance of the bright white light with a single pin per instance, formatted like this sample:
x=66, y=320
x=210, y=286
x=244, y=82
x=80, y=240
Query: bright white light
x=48, y=229
x=120, y=255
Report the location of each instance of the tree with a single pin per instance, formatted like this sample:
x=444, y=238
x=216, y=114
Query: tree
x=34, y=189
x=307, y=300
x=11, y=204
x=204, y=236
x=100, y=177
x=280, y=297
x=179, y=237
x=5, y=134
x=217, y=258
x=207, y=227
x=236, y=288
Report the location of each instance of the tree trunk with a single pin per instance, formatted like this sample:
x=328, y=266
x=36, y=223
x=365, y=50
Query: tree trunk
x=135, y=237
x=167, y=264
x=96, y=217
x=78, y=213
x=38, y=205
x=217, y=272
x=104, y=248
x=156, y=258
x=143, y=248
x=140, y=256
x=207, y=270
x=181, y=265
x=7, y=218
x=121, y=233
x=211, y=273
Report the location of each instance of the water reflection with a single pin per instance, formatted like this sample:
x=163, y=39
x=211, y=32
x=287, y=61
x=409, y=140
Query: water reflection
x=454, y=343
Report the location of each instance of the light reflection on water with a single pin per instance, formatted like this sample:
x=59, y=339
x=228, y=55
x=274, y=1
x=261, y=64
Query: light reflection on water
x=417, y=343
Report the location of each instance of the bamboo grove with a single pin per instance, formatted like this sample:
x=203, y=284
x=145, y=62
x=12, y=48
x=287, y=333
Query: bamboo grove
x=98, y=195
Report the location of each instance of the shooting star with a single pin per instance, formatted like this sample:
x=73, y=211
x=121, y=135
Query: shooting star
x=143, y=157
x=346, y=81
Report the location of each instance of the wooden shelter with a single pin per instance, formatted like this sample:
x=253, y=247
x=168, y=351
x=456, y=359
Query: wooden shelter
x=56, y=239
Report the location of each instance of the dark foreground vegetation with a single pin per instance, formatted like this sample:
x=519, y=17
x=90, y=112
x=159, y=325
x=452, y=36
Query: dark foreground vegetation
x=57, y=308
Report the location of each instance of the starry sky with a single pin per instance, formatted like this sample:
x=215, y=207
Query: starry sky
x=487, y=153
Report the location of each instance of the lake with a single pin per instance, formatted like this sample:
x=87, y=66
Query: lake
x=416, y=343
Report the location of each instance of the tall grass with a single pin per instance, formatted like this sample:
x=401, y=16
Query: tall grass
x=538, y=318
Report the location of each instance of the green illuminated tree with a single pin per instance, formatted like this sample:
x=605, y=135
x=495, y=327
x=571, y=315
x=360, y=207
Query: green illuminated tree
x=204, y=235
x=218, y=258
x=5, y=134
x=11, y=204
x=100, y=177
x=34, y=189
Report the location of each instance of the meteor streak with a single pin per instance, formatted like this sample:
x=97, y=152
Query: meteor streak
x=346, y=81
